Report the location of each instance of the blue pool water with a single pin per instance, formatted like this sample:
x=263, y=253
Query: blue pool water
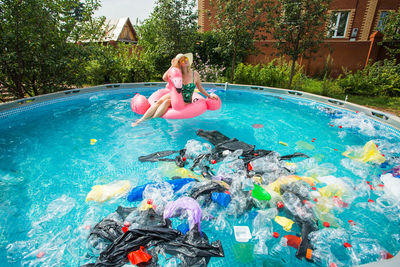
x=48, y=166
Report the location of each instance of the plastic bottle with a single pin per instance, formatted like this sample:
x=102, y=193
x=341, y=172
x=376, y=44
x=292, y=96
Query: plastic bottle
x=260, y=193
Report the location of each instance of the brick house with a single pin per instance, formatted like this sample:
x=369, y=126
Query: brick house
x=353, y=41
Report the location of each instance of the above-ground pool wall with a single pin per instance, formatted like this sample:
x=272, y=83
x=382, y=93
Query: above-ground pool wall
x=29, y=103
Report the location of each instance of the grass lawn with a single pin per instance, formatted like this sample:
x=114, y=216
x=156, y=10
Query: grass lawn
x=383, y=103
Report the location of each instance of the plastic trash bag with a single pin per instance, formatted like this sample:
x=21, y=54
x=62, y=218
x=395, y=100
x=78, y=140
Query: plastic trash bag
x=184, y=204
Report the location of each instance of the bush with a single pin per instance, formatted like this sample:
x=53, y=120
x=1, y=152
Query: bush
x=275, y=74
x=324, y=87
x=380, y=78
x=123, y=64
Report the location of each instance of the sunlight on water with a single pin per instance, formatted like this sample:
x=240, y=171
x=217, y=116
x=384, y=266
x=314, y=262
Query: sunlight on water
x=48, y=164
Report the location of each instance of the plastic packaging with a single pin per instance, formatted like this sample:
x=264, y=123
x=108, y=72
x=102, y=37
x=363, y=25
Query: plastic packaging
x=286, y=223
x=262, y=231
x=260, y=193
x=139, y=256
x=242, y=233
x=102, y=193
x=392, y=185
x=137, y=192
x=369, y=153
x=222, y=199
x=195, y=148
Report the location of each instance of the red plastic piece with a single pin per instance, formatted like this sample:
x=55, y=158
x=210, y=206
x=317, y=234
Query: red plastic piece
x=139, y=256
x=380, y=185
x=340, y=126
x=124, y=229
x=250, y=167
x=351, y=222
x=41, y=254
x=370, y=201
x=227, y=192
x=314, y=188
x=371, y=187
x=332, y=264
x=275, y=234
x=256, y=154
x=293, y=241
x=316, y=199
x=149, y=201
x=346, y=245
x=335, y=149
x=184, y=158
x=326, y=224
x=279, y=204
x=387, y=255
x=213, y=161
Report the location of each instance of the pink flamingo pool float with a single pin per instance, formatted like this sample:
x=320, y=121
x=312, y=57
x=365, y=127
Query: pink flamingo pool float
x=179, y=109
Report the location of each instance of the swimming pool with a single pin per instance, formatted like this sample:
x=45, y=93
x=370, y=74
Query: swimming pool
x=53, y=152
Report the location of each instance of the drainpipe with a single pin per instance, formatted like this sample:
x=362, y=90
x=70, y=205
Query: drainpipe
x=374, y=38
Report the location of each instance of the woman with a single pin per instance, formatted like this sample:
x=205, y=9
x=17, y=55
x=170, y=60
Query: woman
x=191, y=81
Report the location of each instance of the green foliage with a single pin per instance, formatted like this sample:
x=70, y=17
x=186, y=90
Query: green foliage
x=107, y=64
x=205, y=48
x=274, y=74
x=37, y=51
x=376, y=79
x=237, y=23
x=325, y=87
x=171, y=29
x=391, y=33
x=298, y=27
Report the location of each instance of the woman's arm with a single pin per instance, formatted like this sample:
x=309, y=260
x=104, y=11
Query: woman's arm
x=165, y=76
x=197, y=81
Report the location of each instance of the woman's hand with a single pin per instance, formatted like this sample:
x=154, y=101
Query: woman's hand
x=213, y=96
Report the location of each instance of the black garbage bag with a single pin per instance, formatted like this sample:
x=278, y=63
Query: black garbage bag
x=193, y=248
x=214, y=137
x=116, y=253
x=161, y=156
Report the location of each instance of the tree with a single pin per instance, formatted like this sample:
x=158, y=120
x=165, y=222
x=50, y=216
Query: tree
x=238, y=23
x=391, y=32
x=171, y=29
x=38, y=53
x=298, y=28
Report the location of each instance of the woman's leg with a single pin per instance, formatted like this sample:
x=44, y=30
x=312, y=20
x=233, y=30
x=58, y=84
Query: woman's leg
x=152, y=109
x=162, y=108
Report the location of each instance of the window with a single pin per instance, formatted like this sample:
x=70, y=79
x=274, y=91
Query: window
x=338, y=24
x=381, y=21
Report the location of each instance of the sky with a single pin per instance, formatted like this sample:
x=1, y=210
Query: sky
x=134, y=9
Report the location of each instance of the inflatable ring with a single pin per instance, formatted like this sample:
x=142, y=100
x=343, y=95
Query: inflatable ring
x=179, y=109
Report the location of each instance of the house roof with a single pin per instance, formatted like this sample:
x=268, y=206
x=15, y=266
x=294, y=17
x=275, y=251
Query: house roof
x=120, y=30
